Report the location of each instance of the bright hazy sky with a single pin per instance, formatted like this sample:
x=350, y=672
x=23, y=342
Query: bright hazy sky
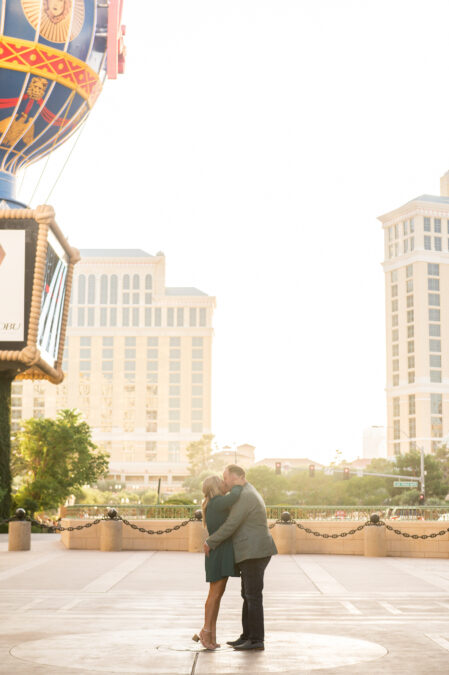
x=255, y=142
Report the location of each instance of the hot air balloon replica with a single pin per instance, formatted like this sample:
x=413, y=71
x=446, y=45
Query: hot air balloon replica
x=54, y=57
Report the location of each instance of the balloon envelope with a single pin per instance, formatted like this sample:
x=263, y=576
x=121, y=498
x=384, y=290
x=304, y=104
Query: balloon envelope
x=52, y=54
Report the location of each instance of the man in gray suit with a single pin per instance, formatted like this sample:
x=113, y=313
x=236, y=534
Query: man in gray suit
x=253, y=548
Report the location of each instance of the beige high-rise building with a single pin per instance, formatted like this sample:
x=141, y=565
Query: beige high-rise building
x=416, y=269
x=137, y=365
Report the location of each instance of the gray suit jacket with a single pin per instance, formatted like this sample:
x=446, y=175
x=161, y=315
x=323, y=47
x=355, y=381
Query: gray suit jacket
x=247, y=525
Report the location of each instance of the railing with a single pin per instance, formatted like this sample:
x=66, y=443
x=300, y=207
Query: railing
x=344, y=512
x=135, y=511
x=163, y=511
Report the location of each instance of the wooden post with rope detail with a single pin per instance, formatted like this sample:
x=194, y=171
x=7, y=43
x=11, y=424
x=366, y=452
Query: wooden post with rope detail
x=36, y=272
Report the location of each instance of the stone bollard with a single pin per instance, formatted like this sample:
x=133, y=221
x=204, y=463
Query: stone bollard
x=284, y=535
x=197, y=534
x=375, y=539
x=111, y=533
x=19, y=535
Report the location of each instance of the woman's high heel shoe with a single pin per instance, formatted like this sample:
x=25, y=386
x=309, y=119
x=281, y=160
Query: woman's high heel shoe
x=202, y=638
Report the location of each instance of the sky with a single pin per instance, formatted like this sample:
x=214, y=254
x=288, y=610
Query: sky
x=255, y=142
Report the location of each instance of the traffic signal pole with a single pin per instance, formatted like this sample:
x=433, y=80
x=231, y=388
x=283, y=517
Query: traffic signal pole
x=387, y=475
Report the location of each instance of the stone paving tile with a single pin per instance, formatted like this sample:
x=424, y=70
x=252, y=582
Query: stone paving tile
x=87, y=611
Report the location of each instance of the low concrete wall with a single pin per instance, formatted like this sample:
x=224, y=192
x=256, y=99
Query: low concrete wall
x=133, y=540
x=417, y=548
x=288, y=538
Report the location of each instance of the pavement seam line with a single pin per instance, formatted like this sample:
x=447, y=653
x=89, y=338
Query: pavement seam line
x=109, y=579
x=439, y=640
x=321, y=579
x=423, y=574
x=35, y=562
x=195, y=661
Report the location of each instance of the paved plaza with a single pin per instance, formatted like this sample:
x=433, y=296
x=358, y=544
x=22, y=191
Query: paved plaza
x=68, y=612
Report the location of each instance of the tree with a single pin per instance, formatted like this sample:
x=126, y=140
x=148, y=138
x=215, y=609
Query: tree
x=410, y=463
x=59, y=457
x=271, y=485
x=5, y=444
x=442, y=455
x=199, y=454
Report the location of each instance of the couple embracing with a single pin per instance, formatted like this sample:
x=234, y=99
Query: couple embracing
x=239, y=545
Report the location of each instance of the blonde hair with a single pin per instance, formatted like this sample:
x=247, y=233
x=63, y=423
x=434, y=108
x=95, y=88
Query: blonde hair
x=211, y=488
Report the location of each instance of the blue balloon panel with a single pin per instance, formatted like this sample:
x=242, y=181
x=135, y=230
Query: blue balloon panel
x=51, y=56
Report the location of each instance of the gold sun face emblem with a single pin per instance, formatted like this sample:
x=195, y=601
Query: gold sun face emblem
x=36, y=88
x=54, y=18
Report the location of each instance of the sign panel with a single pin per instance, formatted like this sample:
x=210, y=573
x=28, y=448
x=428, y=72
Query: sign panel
x=12, y=285
x=52, y=300
x=405, y=483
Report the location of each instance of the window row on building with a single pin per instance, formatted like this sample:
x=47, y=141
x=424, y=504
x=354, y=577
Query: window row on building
x=407, y=227
x=105, y=290
x=436, y=421
x=401, y=229
x=139, y=316
x=431, y=243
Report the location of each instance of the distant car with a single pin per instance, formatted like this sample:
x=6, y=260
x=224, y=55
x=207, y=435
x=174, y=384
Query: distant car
x=444, y=516
x=401, y=513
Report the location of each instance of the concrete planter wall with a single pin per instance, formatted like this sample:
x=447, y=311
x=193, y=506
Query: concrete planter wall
x=289, y=539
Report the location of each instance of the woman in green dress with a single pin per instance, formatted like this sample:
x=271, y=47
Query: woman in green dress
x=220, y=563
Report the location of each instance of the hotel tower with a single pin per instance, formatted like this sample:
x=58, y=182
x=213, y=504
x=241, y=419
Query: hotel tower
x=137, y=364
x=416, y=269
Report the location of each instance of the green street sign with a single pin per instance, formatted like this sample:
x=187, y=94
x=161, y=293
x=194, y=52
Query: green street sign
x=405, y=483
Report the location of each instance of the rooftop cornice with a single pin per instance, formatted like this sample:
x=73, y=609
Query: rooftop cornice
x=419, y=205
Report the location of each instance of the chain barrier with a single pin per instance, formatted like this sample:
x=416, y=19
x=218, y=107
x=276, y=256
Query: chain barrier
x=325, y=535
x=7, y=520
x=285, y=519
x=166, y=531
x=71, y=528
x=433, y=535
x=374, y=521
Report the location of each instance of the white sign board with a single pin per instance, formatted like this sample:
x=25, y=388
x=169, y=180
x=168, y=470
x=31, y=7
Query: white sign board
x=12, y=285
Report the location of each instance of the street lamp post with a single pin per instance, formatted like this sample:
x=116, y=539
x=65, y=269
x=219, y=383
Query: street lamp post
x=423, y=487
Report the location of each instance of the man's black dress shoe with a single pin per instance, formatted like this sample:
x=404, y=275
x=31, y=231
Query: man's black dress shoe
x=234, y=643
x=245, y=646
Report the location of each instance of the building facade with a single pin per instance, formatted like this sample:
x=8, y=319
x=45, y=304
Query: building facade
x=137, y=364
x=416, y=269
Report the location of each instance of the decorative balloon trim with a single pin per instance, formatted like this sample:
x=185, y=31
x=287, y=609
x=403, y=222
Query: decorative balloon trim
x=53, y=64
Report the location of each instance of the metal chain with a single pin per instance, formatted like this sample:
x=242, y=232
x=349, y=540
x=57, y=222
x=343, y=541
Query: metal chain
x=59, y=528
x=330, y=536
x=166, y=531
x=7, y=520
x=51, y=528
x=433, y=535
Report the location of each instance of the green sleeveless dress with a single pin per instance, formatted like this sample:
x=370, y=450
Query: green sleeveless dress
x=220, y=562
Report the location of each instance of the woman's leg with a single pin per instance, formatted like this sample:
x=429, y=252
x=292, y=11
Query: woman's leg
x=220, y=590
x=216, y=590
